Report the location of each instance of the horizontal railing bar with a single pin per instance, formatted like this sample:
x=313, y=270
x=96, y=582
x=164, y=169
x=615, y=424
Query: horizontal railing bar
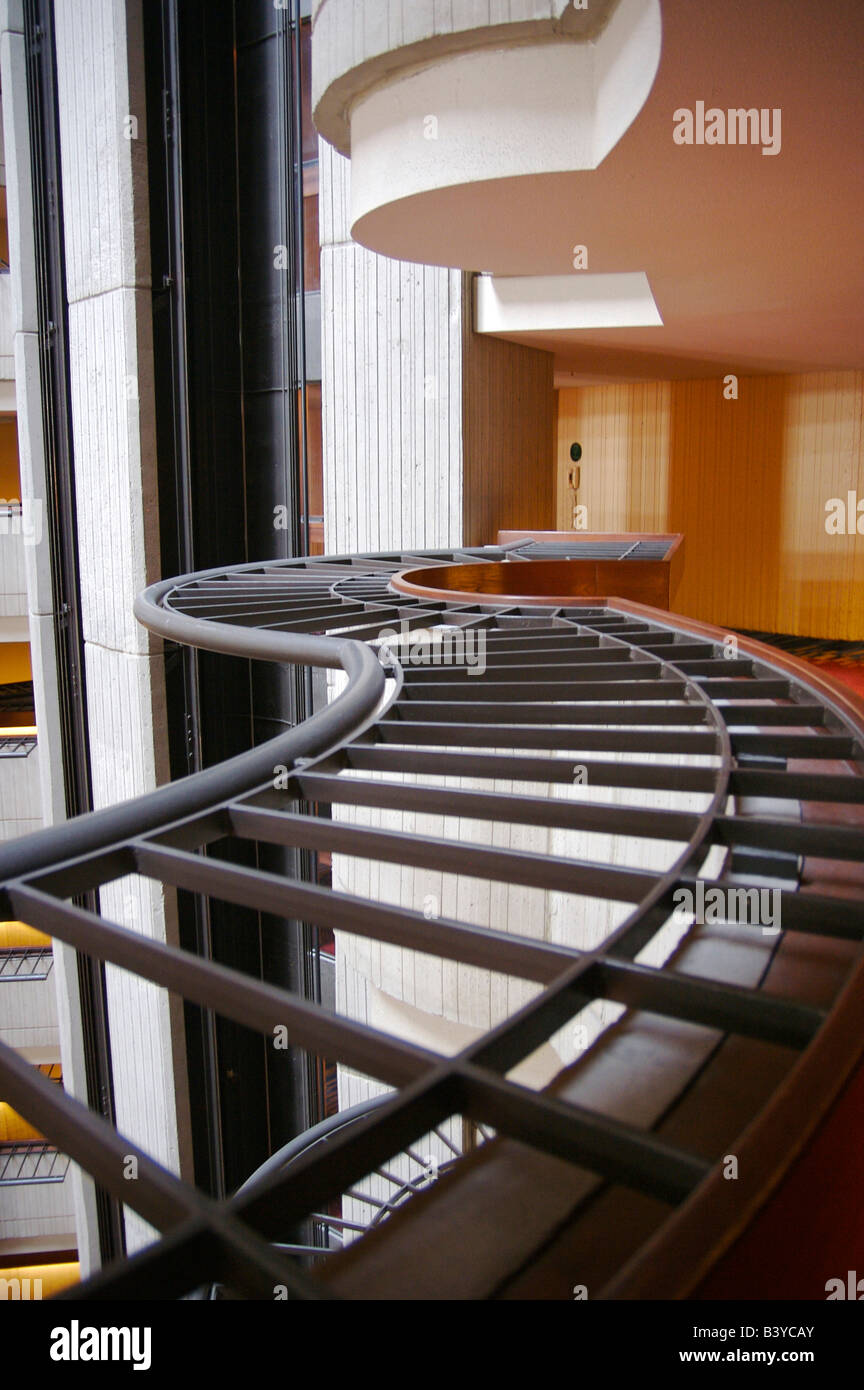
x=797, y=786
x=429, y=665
x=76, y=876
x=288, y=585
x=537, y=736
x=183, y=1259
x=677, y=651
x=553, y=812
x=511, y=767
x=810, y=913
x=617, y=627
x=602, y=1145
x=559, y=714
x=92, y=1142
x=372, y=631
x=351, y=1154
x=754, y=689
x=504, y=952
x=261, y=586
x=549, y=700
x=709, y=667
x=746, y=1012
x=433, y=666
x=258, y=1006
x=708, y=671
x=473, y=860
x=516, y=644
x=796, y=837
x=417, y=671
x=762, y=716
x=344, y=619
x=434, y=683
x=795, y=745
x=249, y=605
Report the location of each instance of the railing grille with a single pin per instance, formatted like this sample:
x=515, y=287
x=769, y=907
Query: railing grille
x=621, y=698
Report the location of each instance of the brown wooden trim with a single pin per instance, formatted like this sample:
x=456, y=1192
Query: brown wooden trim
x=698, y=1235
x=556, y=583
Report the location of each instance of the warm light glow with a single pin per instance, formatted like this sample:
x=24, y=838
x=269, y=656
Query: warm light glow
x=18, y=934
x=46, y=1280
x=14, y=1129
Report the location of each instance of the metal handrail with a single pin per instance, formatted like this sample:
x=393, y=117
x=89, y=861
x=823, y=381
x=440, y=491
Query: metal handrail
x=189, y=795
x=670, y=697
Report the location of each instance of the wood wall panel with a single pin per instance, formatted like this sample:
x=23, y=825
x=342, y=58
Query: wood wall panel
x=624, y=433
x=311, y=246
x=745, y=480
x=508, y=434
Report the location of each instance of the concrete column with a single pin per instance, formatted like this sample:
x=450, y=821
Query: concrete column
x=40, y=603
x=391, y=389
x=100, y=76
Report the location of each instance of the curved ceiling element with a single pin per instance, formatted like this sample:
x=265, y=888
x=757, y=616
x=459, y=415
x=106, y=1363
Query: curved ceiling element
x=358, y=45
x=753, y=258
x=733, y=1037
x=455, y=115
x=502, y=113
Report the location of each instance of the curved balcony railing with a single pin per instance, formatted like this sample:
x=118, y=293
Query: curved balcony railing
x=31, y=1161
x=728, y=1039
x=25, y=963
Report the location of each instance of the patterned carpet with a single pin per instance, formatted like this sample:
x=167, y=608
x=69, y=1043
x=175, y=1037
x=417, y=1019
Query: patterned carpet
x=842, y=660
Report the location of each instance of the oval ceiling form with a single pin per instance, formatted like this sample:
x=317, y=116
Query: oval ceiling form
x=502, y=113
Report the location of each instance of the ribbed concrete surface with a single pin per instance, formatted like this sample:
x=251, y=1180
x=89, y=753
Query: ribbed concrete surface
x=391, y=389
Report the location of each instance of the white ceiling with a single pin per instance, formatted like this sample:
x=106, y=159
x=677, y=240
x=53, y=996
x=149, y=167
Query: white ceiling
x=755, y=261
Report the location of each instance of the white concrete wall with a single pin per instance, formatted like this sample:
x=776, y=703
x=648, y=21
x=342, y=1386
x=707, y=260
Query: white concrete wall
x=28, y=397
x=13, y=568
x=28, y=1014
x=391, y=389
x=7, y=327
x=105, y=206
x=100, y=84
x=37, y=1210
x=20, y=799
